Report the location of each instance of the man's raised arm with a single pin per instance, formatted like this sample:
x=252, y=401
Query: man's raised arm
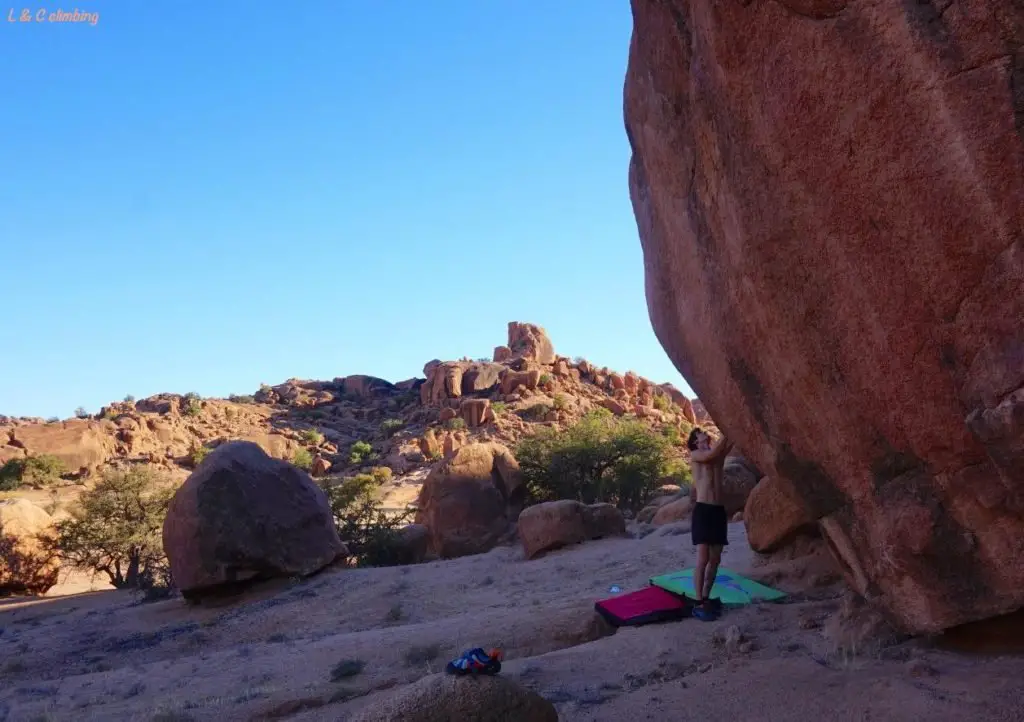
x=721, y=447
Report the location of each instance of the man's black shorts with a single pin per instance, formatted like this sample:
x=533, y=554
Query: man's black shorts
x=710, y=524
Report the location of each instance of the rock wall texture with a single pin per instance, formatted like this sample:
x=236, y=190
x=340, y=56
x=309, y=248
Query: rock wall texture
x=830, y=197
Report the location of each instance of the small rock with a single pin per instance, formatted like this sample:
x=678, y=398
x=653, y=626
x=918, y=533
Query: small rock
x=677, y=528
x=919, y=668
x=730, y=638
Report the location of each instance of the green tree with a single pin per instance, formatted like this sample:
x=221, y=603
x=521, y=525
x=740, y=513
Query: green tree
x=598, y=459
x=116, y=528
x=303, y=459
x=359, y=452
x=36, y=471
x=369, y=532
x=193, y=404
x=312, y=436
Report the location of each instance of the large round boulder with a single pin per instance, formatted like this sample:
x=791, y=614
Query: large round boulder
x=442, y=698
x=554, y=524
x=243, y=515
x=470, y=501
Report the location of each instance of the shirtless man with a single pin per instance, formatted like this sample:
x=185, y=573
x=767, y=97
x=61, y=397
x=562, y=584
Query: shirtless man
x=710, y=524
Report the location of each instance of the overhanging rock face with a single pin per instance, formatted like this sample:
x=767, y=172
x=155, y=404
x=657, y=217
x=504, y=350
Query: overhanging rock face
x=830, y=197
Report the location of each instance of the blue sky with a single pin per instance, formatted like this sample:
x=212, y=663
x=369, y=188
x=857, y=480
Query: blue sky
x=209, y=196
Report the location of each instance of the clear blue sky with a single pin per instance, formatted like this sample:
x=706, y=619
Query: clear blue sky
x=207, y=196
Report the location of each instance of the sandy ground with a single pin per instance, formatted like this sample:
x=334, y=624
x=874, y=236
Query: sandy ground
x=105, y=656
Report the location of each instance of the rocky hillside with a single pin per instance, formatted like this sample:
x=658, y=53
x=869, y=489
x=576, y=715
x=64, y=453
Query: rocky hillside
x=347, y=424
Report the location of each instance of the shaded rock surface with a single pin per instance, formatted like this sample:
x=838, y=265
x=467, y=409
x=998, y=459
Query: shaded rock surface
x=774, y=514
x=26, y=567
x=830, y=201
x=242, y=515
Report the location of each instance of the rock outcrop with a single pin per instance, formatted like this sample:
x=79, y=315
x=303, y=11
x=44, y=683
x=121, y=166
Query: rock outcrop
x=26, y=564
x=774, y=514
x=555, y=524
x=241, y=516
x=443, y=698
x=830, y=200
x=530, y=342
x=470, y=501
x=81, y=445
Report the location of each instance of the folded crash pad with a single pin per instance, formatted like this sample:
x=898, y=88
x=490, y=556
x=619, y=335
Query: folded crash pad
x=644, y=606
x=730, y=587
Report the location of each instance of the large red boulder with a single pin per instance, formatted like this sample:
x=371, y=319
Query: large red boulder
x=471, y=501
x=243, y=515
x=830, y=199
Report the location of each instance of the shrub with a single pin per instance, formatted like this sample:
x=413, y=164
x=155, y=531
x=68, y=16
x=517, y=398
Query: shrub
x=536, y=412
x=679, y=471
x=561, y=401
x=381, y=474
x=370, y=533
x=193, y=404
x=81, y=413
x=499, y=407
x=662, y=403
x=312, y=436
x=672, y=435
x=116, y=528
x=598, y=459
x=303, y=459
x=545, y=379
x=53, y=420
x=347, y=668
x=245, y=399
x=390, y=427
x=197, y=454
x=359, y=452
x=455, y=424
x=35, y=471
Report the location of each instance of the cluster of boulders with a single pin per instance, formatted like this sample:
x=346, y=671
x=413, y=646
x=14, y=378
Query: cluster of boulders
x=459, y=422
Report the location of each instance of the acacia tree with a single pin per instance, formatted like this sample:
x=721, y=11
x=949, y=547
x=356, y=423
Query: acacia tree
x=116, y=528
x=371, y=534
x=598, y=459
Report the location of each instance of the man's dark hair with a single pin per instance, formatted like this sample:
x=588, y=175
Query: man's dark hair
x=691, y=443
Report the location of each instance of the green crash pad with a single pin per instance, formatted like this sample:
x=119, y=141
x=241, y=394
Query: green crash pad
x=730, y=587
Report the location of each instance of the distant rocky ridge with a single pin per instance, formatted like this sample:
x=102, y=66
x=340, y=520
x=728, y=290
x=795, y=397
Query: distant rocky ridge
x=409, y=425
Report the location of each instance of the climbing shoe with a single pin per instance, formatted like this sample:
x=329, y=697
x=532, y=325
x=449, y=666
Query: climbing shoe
x=707, y=610
x=476, y=661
